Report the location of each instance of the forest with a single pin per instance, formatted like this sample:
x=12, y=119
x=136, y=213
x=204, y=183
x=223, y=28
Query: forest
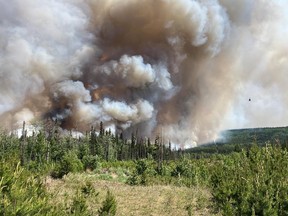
x=52, y=174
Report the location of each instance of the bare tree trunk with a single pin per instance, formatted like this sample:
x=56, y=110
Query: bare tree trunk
x=22, y=144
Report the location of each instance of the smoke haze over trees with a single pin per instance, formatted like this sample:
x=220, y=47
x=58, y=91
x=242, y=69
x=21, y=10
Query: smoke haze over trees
x=186, y=68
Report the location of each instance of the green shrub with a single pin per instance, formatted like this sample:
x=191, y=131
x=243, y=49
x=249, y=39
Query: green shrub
x=21, y=193
x=252, y=182
x=143, y=170
x=191, y=172
x=68, y=163
x=90, y=162
x=182, y=168
x=109, y=205
x=88, y=190
x=78, y=205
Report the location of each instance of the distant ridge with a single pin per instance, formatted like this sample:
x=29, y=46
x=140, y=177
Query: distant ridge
x=237, y=139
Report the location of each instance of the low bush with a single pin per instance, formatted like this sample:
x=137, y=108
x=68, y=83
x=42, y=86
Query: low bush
x=143, y=169
x=21, y=192
x=90, y=162
x=109, y=205
x=68, y=163
x=252, y=182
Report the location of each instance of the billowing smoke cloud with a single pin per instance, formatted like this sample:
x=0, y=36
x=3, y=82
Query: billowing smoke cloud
x=184, y=68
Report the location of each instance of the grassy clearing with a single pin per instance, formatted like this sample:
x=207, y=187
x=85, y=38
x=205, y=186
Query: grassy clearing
x=133, y=200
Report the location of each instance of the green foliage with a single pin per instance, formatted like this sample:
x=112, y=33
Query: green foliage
x=189, y=209
x=38, y=148
x=56, y=149
x=69, y=163
x=90, y=162
x=48, y=146
x=80, y=201
x=21, y=193
x=244, y=179
x=109, y=205
x=79, y=205
x=191, y=172
x=88, y=190
x=236, y=140
x=144, y=169
x=184, y=172
x=252, y=182
x=182, y=168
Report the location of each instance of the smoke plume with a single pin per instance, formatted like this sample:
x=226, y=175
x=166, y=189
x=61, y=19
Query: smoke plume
x=186, y=69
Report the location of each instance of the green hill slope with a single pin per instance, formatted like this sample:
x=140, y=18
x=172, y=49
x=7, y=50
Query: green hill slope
x=235, y=140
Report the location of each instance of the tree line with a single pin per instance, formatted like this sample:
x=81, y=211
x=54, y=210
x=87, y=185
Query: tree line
x=247, y=181
x=48, y=145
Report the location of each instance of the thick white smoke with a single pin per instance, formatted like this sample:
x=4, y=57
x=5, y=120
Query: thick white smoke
x=184, y=68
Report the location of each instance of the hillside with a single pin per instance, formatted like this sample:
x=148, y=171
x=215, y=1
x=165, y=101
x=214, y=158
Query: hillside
x=235, y=140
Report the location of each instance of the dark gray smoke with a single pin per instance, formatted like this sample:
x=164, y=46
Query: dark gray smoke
x=182, y=68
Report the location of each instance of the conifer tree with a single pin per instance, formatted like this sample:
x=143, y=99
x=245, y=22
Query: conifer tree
x=109, y=205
